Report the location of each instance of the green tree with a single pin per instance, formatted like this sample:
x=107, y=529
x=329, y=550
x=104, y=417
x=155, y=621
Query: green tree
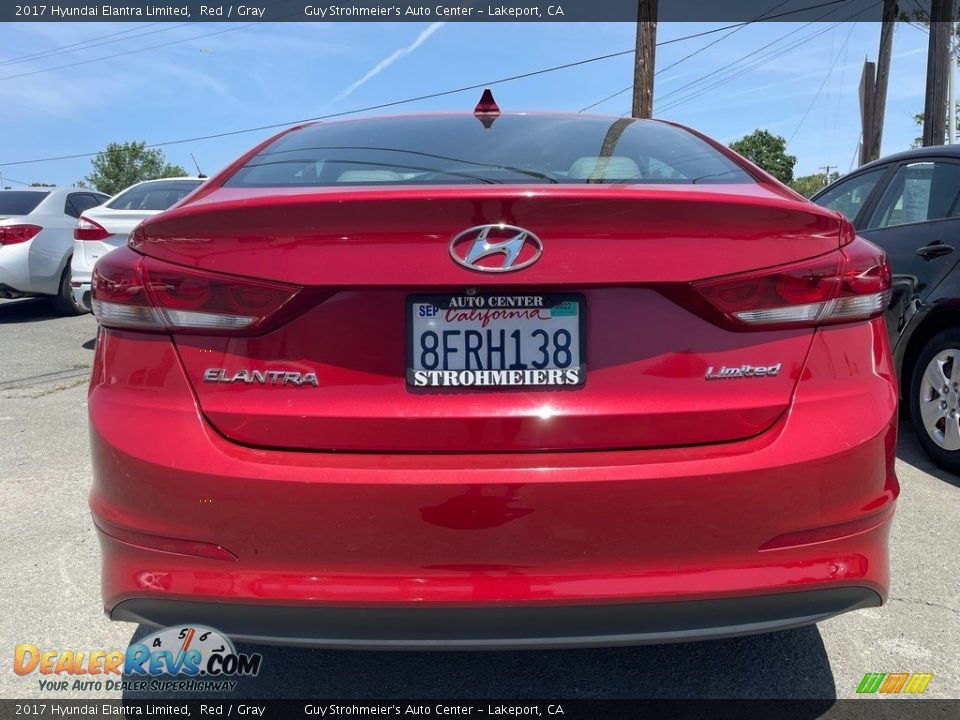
x=808, y=185
x=918, y=119
x=123, y=164
x=769, y=151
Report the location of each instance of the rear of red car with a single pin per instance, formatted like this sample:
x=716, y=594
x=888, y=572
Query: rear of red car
x=437, y=382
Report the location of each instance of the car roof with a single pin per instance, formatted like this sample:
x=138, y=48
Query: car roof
x=157, y=180
x=931, y=151
x=52, y=190
x=165, y=179
x=54, y=197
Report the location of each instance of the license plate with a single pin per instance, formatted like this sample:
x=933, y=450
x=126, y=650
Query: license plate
x=495, y=341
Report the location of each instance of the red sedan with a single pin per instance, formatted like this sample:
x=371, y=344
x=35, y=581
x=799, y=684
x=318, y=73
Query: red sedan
x=457, y=381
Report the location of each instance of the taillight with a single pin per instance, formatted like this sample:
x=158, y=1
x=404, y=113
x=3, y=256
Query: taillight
x=141, y=293
x=87, y=229
x=13, y=234
x=852, y=283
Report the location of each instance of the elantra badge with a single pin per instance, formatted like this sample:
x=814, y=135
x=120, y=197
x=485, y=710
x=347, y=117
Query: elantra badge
x=260, y=377
x=728, y=373
x=496, y=248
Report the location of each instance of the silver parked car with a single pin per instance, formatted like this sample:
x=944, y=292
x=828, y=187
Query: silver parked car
x=36, y=242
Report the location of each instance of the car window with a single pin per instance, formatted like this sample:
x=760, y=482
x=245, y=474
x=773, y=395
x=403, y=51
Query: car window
x=90, y=200
x=20, y=202
x=849, y=196
x=462, y=150
x=918, y=192
x=77, y=203
x=154, y=196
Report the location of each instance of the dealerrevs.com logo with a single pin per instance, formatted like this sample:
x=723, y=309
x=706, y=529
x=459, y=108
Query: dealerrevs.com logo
x=187, y=658
x=894, y=683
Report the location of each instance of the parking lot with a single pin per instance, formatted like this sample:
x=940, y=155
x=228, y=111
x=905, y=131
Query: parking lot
x=50, y=576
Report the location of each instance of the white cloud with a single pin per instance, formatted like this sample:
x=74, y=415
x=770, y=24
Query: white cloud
x=390, y=60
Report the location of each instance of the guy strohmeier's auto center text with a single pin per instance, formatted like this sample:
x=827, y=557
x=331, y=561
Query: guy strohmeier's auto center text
x=387, y=12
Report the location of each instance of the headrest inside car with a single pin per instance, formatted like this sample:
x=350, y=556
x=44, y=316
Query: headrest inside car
x=360, y=176
x=614, y=167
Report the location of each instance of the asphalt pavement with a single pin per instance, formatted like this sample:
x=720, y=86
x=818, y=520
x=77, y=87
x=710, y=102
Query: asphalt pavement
x=49, y=580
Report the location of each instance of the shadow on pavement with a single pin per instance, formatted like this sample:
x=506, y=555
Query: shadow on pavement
x=911, y=452
x=27, y=310
x=789, y=664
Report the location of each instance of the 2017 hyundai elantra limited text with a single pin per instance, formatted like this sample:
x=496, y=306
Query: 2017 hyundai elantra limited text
x=492, y=380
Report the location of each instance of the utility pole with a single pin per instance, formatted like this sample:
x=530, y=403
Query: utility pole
x=952, y=99
x=938, y=66
x=826, y=173
x=867, y=85
x=644, y=58
x=879, y=102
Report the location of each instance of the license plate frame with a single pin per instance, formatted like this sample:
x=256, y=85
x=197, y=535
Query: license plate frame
x=549, y=300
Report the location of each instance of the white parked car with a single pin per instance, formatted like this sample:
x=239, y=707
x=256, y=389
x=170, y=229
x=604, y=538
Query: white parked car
x=107, y=227
x=36, y=242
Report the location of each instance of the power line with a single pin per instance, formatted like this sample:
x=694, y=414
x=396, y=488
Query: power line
x=856, y=151
x=65, y=49
x=736, y=28
x=126, y=52
x=136, y=50
x=58, y=50
x=395, y=103
x=836, y=109
x=629, y=87
x=380, y=106
x=733, y=73
x=826, y=77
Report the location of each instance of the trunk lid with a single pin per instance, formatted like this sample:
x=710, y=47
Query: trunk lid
x=118, y=222
x=372, y=250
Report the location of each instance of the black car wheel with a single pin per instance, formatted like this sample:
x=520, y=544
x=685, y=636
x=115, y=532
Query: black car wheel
x=935, y=399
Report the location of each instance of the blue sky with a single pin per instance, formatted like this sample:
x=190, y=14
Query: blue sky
x=215, y=78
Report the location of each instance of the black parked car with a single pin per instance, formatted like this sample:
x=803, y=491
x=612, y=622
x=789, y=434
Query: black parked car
x=908, y=205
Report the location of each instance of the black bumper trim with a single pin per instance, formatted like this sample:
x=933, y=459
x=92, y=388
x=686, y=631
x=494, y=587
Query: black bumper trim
x=499, y=627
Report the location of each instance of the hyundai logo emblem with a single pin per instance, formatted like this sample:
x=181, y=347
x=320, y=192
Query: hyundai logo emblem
x=496, y=248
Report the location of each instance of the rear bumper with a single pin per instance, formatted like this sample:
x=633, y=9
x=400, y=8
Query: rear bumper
x=81, y=294
x=503, y=627
x=15, y=268
x=738, y=534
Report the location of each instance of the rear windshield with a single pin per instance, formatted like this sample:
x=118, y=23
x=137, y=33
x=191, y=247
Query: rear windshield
x=153, y=195
x=458, y=150
x=20, y=202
